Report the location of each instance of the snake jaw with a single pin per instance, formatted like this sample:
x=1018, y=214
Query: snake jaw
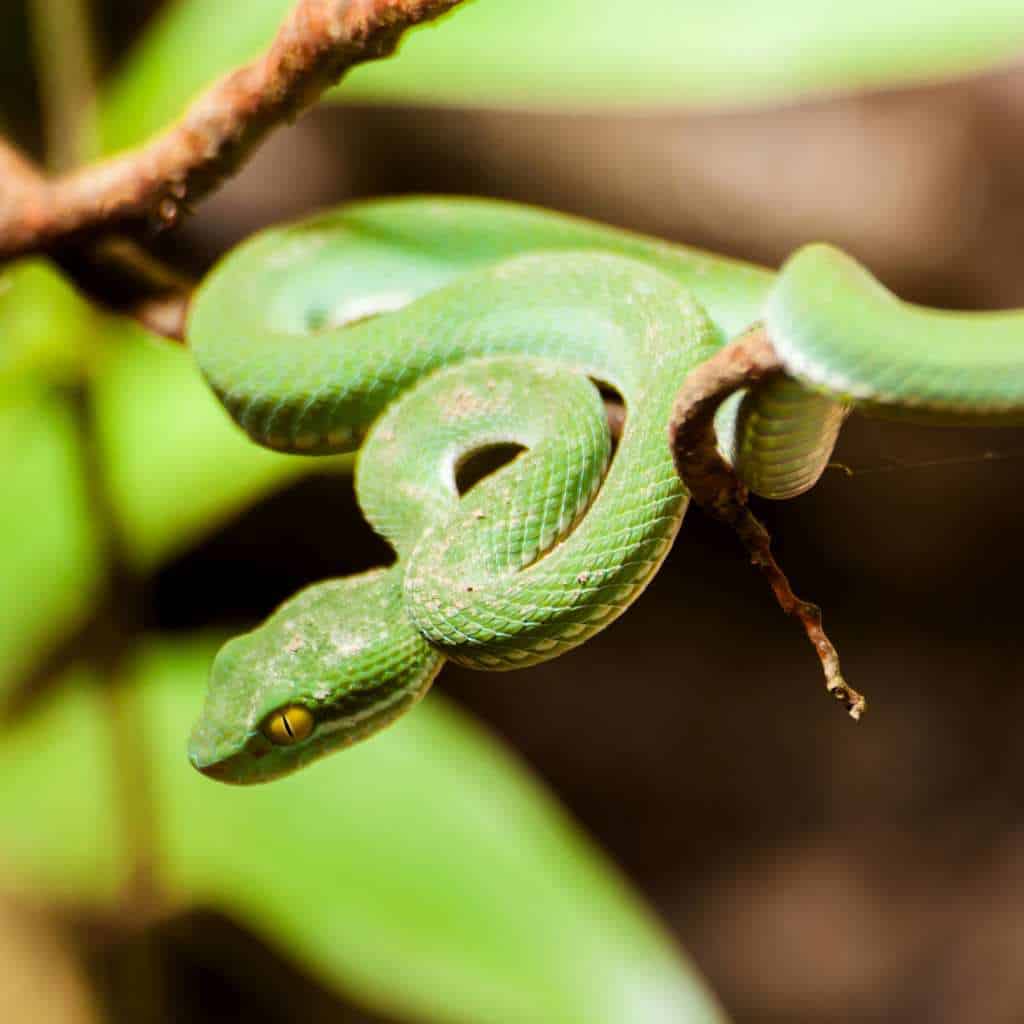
x=227, y=759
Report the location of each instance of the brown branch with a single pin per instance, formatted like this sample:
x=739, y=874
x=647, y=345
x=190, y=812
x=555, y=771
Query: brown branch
x=317, y=43
x=114, y=271
x=713, y=484
x=78, y=218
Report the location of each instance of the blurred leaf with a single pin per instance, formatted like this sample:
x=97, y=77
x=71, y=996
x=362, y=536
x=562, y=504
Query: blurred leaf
x=606, y=53
x=59, y=829
x=50, y=570
x=602, y=53
x=45, y=326
x=424, y=872
x=155, y=84
x=177, y=466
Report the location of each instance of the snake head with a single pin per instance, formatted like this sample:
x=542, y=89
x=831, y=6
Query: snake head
x=332, y=665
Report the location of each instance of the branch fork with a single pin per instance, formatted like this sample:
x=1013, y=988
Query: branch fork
x=714, y=485
x=150, y=187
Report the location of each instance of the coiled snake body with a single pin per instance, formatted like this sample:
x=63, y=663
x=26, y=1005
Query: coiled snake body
x=422, y=331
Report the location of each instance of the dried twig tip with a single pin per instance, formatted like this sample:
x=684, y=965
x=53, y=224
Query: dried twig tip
x=713, y=484
x=853, y=701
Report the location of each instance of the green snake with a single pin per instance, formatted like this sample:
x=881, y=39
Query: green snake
x=423, y=331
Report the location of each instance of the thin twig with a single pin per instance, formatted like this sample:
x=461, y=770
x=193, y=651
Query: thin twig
x=113, y=651
x=713, y=484
x=317, y=43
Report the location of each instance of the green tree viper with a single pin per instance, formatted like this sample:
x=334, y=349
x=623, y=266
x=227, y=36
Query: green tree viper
x=422, y=331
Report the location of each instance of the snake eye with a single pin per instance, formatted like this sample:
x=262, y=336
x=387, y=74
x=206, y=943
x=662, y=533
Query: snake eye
x=288, y=725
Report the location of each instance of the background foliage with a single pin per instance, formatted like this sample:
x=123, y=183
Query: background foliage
x=427, y=875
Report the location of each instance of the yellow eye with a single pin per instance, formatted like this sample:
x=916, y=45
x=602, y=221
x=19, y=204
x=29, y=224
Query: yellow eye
x=288, y=725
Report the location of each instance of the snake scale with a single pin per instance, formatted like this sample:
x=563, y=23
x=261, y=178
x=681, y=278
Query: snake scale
x=423, y=331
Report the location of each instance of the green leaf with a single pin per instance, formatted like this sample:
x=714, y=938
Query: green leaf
x=426, y=872
x=60, y=833
x=598, y=53
x=45, y=326
x=605, y=53
x=177, y=467
x=155, y=84
x=50, y=571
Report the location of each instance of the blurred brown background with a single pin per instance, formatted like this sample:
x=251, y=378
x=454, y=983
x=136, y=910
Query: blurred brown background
x=818, y=872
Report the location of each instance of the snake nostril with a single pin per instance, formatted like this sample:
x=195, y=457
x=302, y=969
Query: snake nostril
x=316, y=319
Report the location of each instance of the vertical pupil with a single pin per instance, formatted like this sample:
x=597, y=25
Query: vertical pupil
x=287, y=726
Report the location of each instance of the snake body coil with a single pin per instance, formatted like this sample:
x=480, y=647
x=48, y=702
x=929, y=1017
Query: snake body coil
x=422, y=331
